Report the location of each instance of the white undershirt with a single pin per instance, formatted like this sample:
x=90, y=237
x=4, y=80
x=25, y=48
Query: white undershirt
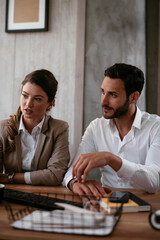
x=28, y=145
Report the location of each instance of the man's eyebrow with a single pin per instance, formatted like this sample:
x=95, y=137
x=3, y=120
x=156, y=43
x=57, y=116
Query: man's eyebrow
x=110, y=92
x=113, y=92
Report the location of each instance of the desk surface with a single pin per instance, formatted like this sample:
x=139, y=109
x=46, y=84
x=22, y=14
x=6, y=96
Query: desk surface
x=131, y=225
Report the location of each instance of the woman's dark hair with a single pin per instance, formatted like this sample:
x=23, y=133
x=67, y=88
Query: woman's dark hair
x=46, y=80
x=132, y=76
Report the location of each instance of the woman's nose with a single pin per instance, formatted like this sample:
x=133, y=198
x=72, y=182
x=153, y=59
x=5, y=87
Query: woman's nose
x=29, y=102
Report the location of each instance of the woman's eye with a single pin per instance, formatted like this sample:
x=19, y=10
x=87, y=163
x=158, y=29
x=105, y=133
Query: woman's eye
x=38, y=99
x=24, y=95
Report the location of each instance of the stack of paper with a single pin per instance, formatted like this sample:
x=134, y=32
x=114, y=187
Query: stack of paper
x=71, y=220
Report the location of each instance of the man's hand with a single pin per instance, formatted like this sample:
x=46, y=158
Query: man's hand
x=86, y=162
x=91, y=188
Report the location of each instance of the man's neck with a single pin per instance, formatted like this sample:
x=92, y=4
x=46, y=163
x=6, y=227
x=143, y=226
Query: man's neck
x=125, y=122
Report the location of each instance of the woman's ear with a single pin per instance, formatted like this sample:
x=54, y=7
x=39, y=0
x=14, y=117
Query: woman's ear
x=51, y=104
x=133, y=98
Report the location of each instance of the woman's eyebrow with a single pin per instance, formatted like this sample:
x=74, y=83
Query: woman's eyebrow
x=38, y=95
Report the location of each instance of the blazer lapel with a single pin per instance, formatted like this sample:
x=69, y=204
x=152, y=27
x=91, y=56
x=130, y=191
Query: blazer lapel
x=40, y=144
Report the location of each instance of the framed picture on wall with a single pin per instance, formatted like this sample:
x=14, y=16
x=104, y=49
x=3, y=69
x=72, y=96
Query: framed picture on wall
x=26, y=15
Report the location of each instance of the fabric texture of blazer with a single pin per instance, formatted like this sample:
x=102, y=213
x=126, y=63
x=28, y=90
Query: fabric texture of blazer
x=51, y=157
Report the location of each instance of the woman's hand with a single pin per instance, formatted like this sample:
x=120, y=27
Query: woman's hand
x=3, y=178
x=18, y=178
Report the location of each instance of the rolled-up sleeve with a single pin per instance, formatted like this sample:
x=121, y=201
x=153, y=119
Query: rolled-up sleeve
x=144, y=176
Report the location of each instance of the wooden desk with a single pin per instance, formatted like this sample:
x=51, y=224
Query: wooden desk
x=131, y=225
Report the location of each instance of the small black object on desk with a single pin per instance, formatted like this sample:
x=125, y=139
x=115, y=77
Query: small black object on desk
x=154, y=219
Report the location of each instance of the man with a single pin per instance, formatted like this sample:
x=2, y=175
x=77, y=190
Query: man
x=124, y=143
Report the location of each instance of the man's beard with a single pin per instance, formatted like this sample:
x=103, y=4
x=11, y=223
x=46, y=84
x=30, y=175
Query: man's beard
x=119, y=112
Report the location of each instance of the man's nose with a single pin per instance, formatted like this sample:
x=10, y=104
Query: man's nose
x=105, y=99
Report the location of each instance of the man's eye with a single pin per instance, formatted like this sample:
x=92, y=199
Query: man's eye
x=102, y=91
x=113, y=94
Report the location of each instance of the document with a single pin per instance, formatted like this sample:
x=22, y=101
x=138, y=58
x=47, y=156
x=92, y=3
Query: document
x=67, y=221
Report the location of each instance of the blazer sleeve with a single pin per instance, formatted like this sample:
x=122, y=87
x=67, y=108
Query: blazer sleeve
x=1, y=157
x=3, y=130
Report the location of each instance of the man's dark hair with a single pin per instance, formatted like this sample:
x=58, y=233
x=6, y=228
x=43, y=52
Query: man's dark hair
x=132, y=76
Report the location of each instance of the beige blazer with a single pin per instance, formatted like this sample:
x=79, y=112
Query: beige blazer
x=51, y=157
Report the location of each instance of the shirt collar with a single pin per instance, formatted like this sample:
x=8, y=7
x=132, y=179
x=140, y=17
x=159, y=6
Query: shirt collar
x=138, y=119
x=136, y=122
x=22, y=127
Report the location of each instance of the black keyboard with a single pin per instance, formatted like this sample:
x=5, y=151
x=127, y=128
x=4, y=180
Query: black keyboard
x=34, y=200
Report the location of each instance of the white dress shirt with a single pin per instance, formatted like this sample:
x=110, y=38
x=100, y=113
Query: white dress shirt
x=139, y=151
x=28, y=145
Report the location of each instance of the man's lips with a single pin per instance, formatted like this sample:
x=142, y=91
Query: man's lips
x=107, y=108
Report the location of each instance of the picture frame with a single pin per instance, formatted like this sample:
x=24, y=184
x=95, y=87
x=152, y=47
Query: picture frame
x=26, y=15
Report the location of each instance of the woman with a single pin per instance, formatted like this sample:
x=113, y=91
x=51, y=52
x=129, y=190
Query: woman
x=33, y=145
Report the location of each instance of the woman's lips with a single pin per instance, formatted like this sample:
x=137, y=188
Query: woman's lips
x=28, y=111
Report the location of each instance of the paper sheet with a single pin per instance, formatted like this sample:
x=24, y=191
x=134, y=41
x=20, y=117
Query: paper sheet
x=65, y=221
